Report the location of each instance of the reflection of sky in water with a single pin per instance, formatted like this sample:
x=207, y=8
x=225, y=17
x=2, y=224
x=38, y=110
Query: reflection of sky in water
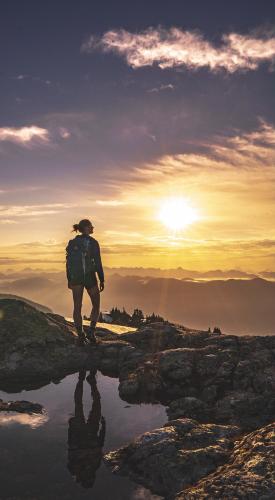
x=34, y=447
x=33, y=421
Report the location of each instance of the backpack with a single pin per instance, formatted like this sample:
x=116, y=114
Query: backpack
x=80, y=261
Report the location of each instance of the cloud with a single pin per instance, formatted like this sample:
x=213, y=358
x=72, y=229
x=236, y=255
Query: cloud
x=32, y=136
x=161, y=245
x=33, y=210
x=231, y=185
x=174, y=47
x=246, y=151
x=64, y=133
x=38, y=244
x=109, y=203
x=24, y=135
x=23, y=189
x=22, y=77
x=8, y=221
x=169, y=86
x=34, y=420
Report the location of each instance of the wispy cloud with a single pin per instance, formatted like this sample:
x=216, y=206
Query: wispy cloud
x=33, y=210
x=23, y=189
x=245, y=151
x=22, y=77
x=64, y=133
x=32, y=260
x=109, y=203
x=25, y=136
x=169, y=86
x=175, y=47
x=32, y=136
x=229, y=180
x=8, y=221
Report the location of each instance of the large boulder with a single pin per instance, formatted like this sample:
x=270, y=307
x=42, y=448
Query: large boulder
x=175, y=456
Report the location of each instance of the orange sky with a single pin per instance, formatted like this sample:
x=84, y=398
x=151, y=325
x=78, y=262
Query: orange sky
x=230, y=185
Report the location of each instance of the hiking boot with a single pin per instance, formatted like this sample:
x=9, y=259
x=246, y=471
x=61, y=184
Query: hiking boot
x=81, y=375
x=91, y=378
x=91, y=335
x=82, y=339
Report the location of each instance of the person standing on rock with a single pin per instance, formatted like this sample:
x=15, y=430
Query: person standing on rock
x=83, y=265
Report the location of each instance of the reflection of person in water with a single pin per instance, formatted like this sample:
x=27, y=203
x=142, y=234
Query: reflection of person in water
x=85, y=438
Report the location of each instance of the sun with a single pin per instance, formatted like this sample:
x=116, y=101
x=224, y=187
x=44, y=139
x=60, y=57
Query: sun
x=177, y=213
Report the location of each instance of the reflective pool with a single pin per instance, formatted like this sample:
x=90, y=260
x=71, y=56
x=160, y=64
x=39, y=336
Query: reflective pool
x=57, y=456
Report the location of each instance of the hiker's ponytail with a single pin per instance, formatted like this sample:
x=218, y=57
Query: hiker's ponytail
x=81, y=225
x=75, y=227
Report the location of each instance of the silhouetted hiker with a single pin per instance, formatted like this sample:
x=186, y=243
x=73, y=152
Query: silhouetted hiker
x=86, y=438
x=83, y=262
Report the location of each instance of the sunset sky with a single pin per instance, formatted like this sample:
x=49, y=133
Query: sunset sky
x=112, y=110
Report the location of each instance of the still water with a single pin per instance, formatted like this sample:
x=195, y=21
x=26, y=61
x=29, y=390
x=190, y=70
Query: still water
x=46, y=457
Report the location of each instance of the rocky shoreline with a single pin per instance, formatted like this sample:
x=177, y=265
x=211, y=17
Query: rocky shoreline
x=219, y=391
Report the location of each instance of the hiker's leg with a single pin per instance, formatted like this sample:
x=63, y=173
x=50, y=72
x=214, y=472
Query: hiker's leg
x=78, y=395
x=95, y=299
x=95, y=413
x=77, y=297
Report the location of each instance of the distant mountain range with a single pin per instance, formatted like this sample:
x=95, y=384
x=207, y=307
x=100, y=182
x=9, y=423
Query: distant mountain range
x=153, y=272
x=236, y=306
x=240, y=306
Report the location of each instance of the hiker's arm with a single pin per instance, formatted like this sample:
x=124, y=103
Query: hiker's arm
x=99, y=266
x=67, y=265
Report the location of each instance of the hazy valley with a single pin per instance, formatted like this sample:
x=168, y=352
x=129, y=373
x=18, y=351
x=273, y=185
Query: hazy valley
x=239, y=306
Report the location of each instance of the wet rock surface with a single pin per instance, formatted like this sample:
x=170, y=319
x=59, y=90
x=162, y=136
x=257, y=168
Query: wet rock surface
x=217, y=389
x=174, y=456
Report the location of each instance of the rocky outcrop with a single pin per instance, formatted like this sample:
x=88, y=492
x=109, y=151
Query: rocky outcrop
x=33, y=347
x=222, y=379
x=174, y=456
x=160, y=336
x=249, y=473
x=211, y=378
x=38, y=306
x=37, y=347
x=217, y=389
x=212, y=457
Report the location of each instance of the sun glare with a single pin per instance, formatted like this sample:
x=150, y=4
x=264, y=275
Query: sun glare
x=177, y=213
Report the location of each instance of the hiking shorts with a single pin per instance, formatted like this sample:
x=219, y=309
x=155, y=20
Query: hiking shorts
x=88, y=282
